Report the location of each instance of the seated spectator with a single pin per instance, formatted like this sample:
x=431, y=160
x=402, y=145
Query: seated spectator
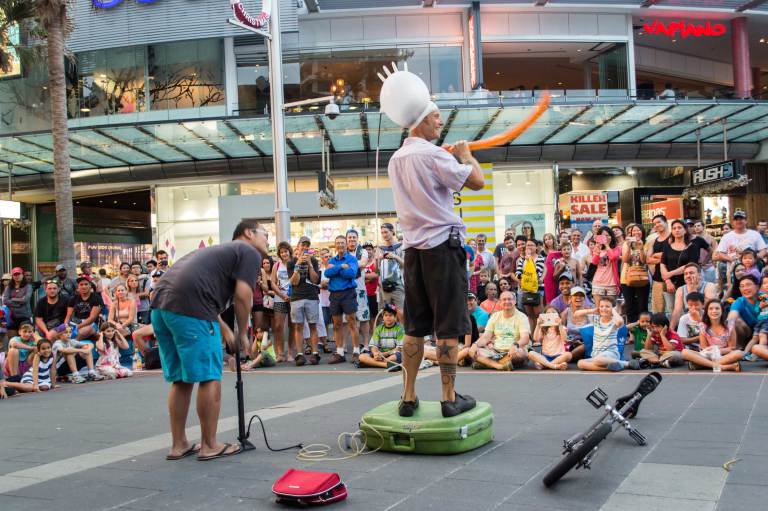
x=83, y=310
x=66, y=350
x=109, y=344
x=578, y=301
x=748, y=259
x=605, y=343
x=491, y=303
x=552, y=336
x=123, y=311
x=386, y=342
x=663, y=347
x=481, y=317
x=41, y=376
x=20, y=350
x=694, y=282
x=563, y=300
x=504, y=344
x=638, y=333
x=6, y=389
x=714, y=332
x=262, y=352
x=743, y=314
x=146, y=343
x=688, y=327
x=50, y=311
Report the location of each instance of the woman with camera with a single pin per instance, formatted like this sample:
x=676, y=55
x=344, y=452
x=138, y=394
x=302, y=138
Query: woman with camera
x=635, y=279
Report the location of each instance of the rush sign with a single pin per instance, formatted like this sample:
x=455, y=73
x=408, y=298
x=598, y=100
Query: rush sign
x=683, y=29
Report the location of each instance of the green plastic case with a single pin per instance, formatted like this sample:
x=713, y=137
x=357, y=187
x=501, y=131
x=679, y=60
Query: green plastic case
x=427, y=432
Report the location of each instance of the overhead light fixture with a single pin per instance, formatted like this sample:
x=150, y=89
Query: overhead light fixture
x=579, y=172
x=184, y=194
x=85, y=109
x=631, y=171
x=509, y=180
x=527, y=178
x=762, y=39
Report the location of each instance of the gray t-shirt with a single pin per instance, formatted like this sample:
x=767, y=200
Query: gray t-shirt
x=424, y=178
x=201, y=284
x=305, y=289
x=390, y=269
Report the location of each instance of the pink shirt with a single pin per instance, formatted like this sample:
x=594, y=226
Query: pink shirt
x=424, y=178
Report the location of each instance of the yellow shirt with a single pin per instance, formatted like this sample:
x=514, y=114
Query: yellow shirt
x=507, y=331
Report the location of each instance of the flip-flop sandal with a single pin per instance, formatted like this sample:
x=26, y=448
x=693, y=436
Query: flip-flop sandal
x=194, y=448
x=221, y=454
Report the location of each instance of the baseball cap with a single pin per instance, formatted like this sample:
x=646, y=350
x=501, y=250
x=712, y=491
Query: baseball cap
x=85, y=263
x=158, y=273
x=565, y=276
x=60, y=267
x=82, y=278
x=6, y=276
x=305, y=239
x=472, y=296
x=578, y=290
x=17, y=270
x=740, y=213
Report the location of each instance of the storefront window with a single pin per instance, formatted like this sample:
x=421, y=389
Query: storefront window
x=323, y=232
x=109, y=82
x=25, y=103
x=350, y=75
x=186, y=74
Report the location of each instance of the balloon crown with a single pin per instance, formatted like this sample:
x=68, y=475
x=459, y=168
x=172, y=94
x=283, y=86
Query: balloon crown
x=404, y=97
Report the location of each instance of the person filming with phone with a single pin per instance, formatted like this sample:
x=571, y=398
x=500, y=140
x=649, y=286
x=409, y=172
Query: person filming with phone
x=304, y=275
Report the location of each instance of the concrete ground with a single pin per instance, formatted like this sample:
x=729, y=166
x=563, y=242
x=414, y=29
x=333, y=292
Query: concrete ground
x=101, y=446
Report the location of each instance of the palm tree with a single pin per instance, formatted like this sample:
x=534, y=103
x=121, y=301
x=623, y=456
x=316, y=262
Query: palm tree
x=53, y=17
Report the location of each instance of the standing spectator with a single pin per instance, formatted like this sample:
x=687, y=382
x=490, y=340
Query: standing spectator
x=503, y=249
x=653, y=257
x=83, y=309
x=67, y=286
x=304, y=274
x=596, y=225
x=618, y=235
x=567, y=264
x=162, y=259
x=16, y=297
x=325, y=296
x=282, y=307
x=363, y=315
x=677, y=252
x=50, y=311
x=142, y=292
x=106, y=282
x=485, y=255
x=372, y=284
x=530, y=272
x=762, y=229
x=341, y=272
x=550, y=278
x=734, y=242
x=269, y=294
x=707, y=265
x=391, y=269
x=549, y=244
x=634, y=288
x=35, y=285
x=580, y=250
x=605, y=257
x=505, y=265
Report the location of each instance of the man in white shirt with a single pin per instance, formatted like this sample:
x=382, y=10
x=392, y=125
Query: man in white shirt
x=488, y=260
x=739, y=238
x=580, y=250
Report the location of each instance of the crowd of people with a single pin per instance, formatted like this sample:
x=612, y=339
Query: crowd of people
x=609, y=299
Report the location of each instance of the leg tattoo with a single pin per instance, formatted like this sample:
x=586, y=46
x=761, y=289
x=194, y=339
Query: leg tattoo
x=448, y=374
x=445, y=350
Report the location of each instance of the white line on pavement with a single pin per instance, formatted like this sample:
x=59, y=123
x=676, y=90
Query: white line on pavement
x=43, y=473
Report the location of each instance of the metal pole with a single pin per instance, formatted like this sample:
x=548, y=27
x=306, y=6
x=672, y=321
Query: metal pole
x=698, y=148
x=274, y=51
x=556, y=181
x=10, y=181
x=725, y=140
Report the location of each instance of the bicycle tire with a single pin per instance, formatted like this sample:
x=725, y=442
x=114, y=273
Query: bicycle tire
x=572, y=458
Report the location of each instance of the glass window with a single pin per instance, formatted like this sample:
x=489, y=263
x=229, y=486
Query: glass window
x=187, y=74
x=109, y=82
x=25, y=103
x=445, y=63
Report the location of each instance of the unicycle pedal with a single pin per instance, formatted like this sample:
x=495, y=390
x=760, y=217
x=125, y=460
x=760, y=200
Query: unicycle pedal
x=637, y=437
x=597, y=398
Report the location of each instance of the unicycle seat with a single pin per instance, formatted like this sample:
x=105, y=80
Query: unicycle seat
x=647, y=385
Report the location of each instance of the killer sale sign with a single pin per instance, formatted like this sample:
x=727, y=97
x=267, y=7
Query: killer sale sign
x=585, y=208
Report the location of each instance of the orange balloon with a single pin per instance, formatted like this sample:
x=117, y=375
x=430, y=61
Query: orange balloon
x=512, y=133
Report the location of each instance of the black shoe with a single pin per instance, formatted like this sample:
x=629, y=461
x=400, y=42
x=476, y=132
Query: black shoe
x=337, y=359
x=300, y=360
x=406, y=408
x=459, y=405
x=635, y=364
x=314, y=359
x=356, y=359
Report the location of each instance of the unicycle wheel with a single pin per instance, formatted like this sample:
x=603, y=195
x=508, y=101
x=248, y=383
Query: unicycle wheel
x=572, y=458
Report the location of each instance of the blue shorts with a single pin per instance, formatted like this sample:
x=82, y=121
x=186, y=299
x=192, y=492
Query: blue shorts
x=761, y=327
x=551, y=358
x=190, y=348
x=343, y=302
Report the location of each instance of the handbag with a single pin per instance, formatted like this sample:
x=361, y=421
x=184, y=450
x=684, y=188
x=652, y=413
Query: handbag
x=268, y=302
x=637, y=276
x=531, y=299
x=305, y=488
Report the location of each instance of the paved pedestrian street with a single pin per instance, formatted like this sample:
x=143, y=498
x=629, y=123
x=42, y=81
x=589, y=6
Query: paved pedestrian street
x=101, y=446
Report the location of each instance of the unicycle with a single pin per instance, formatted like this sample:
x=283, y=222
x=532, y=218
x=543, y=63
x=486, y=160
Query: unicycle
x=579, y=451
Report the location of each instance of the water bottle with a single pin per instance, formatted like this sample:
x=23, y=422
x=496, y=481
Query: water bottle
x=716, y=359
x=138, y=365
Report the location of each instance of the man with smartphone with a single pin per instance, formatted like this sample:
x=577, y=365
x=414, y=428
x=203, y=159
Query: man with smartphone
x=304, y=274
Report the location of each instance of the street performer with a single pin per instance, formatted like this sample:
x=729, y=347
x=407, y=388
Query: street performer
x=424, y=178
x=186, y=309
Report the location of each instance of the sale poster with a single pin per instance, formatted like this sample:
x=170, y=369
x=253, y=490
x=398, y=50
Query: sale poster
x=586, y=207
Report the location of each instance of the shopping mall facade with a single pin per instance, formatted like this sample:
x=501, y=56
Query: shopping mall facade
x=171, y=142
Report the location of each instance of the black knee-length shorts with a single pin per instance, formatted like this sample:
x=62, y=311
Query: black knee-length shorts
x=436, y=292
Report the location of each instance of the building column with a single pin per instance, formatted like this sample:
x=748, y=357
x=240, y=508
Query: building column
x=230, y=76
x=742, y=72
x=475, y=46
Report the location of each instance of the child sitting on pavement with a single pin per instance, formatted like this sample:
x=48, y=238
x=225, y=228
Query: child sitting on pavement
x=688, y=327
x=386, y=342
x=262, y=351
x=605, y=341
x=109, y=344
x=638, y=333
x=663, y=348
x=66, y=350
x=21, y=349
x=42, y=374
x=552, y=335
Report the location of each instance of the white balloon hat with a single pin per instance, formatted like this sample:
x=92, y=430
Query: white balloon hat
x=404, y=97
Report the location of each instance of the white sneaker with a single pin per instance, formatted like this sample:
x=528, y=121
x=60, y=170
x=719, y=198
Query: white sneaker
x=425, y=364
x=76, y=378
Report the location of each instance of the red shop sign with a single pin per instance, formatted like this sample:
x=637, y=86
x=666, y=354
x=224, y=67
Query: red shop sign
x=683, y=29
